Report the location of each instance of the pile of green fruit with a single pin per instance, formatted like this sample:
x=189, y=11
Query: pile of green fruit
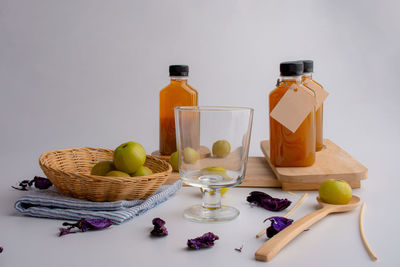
x=128, y=160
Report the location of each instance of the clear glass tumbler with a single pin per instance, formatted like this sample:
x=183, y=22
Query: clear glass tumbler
x=213, y=145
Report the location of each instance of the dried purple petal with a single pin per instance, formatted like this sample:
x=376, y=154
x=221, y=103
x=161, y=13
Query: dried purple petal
x=264, y=200
x=39, y=182
x=84, y=225
x=239, y=249
x=1, y=249
x=22, y=185
x=159, y=228
x=65, y=231
x=277, y=225
x=204, y=241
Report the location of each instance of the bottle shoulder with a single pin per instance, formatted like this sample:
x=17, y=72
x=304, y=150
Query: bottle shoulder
x=178, y=88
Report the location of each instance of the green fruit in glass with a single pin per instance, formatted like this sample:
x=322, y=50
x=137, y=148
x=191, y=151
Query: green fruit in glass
x=142, y=171
x=129, y=156
x=190, y=155
x=214, y=169
x=102, y=168
x=337, y=192
x=221, y=148
x=117, y=174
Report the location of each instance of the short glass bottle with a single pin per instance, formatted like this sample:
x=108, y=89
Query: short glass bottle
x=287, y=148
x=177, y=93
x=319, y=118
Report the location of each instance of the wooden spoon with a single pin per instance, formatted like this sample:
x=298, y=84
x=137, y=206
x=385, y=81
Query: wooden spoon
x=272, y=246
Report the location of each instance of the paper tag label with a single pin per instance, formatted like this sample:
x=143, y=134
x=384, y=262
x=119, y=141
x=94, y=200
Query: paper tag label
x=294, y=107
x=320, y=93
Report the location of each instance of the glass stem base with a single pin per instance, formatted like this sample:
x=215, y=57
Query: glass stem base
x=211, y=209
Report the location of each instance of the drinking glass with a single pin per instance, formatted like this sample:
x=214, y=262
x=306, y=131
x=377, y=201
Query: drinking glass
x=213, y=146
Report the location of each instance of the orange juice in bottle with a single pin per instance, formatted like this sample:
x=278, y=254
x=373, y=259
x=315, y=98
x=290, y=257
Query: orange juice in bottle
x=177, y=93
x=287, y=148
x=310, y=83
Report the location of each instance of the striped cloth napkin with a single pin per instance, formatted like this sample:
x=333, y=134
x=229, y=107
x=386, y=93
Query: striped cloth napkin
x=51, y=204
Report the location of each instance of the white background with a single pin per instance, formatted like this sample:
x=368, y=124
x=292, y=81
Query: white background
x=88, y=73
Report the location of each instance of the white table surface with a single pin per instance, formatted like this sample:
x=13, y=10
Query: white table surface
x=334, y=241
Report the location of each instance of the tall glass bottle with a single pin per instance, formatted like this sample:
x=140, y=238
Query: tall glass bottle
x=177, y=93
x=287, y=148
x=310, y=83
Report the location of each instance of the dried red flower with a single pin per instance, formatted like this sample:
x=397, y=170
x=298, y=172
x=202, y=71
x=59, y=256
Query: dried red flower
x=264, y=200
x=204, y=241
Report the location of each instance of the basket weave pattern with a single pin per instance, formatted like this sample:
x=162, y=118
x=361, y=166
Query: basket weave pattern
x=69, y=171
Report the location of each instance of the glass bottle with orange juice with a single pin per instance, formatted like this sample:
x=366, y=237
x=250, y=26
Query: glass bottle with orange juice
x=177, y=93
x=310, y=83
x=287, y=148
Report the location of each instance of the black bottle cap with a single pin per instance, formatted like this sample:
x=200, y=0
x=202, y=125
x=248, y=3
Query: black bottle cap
x=291, y=68
x=308, y=65
x=178, y=70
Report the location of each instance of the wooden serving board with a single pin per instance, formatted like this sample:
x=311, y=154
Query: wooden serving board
x=332, y=162
x=258, y=174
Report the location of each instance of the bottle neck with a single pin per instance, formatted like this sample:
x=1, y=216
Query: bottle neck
x=290, y=78
x=179, y=79
x=307, y=75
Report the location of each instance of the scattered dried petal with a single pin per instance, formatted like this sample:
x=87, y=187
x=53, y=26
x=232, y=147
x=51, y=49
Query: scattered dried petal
x=264, y=200
x=204, y=241
x=159, y=228
x=1, y=249
x=239, y=249
x=277, y=225
x=84, y=225
x=39, y=182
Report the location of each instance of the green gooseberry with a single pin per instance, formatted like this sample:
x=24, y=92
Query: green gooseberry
x=117, y=174
x=337, y=192
x=142, y=171
x=102, y=168
x=190, y=155
x=173, y=160
x=221, y=148
x=129, y=156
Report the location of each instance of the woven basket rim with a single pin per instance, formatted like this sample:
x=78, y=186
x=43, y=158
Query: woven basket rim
x=98, y=178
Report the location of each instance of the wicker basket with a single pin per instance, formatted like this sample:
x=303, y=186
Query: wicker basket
x=69, y=171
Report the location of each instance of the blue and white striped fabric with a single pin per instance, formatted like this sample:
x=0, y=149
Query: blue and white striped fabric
x=51, y=204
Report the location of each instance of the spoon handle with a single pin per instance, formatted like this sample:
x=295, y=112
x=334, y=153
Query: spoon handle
x=272, y=246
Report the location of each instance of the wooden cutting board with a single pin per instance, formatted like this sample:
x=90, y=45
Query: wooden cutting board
x=332, y=162
x=258, y=174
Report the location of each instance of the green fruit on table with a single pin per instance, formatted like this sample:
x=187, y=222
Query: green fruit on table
x=142, y=171
x=117, y=174
x=213, y=169
x=336, y=192
x=221, y=148
x=129, y=156
x=173, y=160
x=102, y=168
x=190, y=155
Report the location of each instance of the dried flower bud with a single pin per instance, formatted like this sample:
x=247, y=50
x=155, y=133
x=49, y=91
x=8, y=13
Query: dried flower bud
x=159, y=228
x=41, y=182
x=204, y=241
x=264, y=200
